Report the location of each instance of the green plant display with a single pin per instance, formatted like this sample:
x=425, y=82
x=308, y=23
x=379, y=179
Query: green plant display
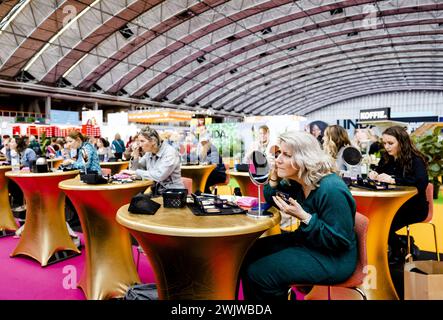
x=226, y=138
x=431, y=145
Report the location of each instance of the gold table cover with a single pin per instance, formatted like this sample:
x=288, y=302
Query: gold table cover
x=380, y=207
x=7, y=221
x=109, y=264
x=116, y=166
x=55, y=163
x=195, y=257
x=247, y=187
x=45, y=230
x=199, y=175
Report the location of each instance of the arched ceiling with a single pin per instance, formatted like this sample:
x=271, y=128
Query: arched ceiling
x=251, y=57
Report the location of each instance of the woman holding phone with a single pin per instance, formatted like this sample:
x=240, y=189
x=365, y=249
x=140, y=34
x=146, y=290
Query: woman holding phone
x=324, y=248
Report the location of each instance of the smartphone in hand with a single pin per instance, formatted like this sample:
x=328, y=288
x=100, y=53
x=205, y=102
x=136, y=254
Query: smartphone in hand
x=283, y=196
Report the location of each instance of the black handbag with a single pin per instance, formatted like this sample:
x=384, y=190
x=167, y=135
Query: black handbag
x=93, y=178
x=142, y=204
x=142, y=292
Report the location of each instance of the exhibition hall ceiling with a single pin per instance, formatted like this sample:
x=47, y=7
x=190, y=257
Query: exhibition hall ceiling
x=250, y=57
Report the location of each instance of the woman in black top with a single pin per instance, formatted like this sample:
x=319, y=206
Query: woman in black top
x=403, y=164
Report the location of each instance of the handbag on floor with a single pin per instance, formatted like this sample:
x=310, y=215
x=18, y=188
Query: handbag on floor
x=147, y=291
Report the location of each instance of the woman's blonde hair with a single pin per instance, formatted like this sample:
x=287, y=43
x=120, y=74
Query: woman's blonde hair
x=308, y=157
x=335, y=138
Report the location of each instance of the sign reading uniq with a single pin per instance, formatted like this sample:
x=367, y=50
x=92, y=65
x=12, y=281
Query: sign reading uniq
x=375, y=114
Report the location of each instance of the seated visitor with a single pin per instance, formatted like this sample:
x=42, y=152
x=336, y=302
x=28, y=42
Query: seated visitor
x=324, y=247
x=160, y=163
x=208, y=153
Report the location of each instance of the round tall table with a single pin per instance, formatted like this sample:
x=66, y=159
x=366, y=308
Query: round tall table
x=380, y=207
x=194, y=257
x=199, y=175
x=7, y=221
x=109, y=264
x=115, y=166
x=45, y=231
x=55, y=163
x=247, y=187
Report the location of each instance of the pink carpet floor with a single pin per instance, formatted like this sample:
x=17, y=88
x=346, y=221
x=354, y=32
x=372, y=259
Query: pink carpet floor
x=22, y=278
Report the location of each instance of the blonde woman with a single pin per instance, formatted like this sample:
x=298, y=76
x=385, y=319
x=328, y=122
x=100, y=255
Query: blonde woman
x=324, y=248
x=334, y=142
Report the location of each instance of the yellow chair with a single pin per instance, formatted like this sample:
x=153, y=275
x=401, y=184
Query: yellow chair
x=428, y=220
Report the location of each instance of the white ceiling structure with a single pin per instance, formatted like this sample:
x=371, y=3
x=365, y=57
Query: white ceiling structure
x=249, y=57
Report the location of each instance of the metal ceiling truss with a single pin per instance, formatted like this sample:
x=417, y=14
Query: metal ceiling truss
x=235, y=57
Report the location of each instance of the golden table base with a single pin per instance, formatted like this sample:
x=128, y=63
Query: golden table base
x=109, y=264
x=55, y=163
x=380, y=207
x=116, y=166
x=195, y=257
x=45, y=231
x=199, y=175
x=7, y=222
x=247, y=187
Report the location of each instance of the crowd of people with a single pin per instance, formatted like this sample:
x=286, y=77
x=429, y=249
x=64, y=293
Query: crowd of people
x=307, y=168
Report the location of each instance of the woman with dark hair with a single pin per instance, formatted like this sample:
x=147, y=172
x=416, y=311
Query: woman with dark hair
x=19, y=151
x=334, y=142
x=403, y=164
x=87, y=158
x=317, y=129
x=103, y=150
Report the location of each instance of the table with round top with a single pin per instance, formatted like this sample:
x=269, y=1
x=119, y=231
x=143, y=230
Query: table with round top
x=109, y=264
x=194, y=257
x=55, y=163
x=199, y=175
x=115, y=166
x=45, y=232
x=247, y=187
x=380, y=207
x=7, y=222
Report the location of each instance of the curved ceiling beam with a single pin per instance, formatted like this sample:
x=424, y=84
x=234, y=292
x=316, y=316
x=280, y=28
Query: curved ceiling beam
x=258, y=103
x=277, y=19
x=40, y=29
x=112, y=25
x=278, y=62
x=9, y=10
x=259, y=90
x=336, y=98
x=325, y=75
x=348, y=83
x=146, y=32
x=189, y=37
x=367, y=91
x=325, y=63
x=216, y=76
x=376, y=49
x=328, y=65
x=142, y=43
x=352, y=86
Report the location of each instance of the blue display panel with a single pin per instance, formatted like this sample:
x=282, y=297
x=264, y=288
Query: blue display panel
x=65, y=117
